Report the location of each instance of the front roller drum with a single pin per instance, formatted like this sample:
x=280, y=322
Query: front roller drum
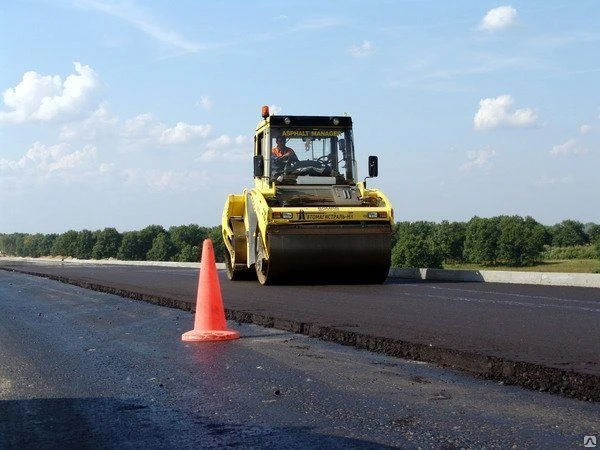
x=335, y=254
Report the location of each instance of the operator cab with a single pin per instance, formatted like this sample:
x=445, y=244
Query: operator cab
x=296, y=150
x=311, y=155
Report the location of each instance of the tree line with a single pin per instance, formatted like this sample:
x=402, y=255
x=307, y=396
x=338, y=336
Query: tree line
x=502, y=240
x=153, y=243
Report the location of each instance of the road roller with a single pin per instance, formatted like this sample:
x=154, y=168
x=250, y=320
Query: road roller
x=308, y=218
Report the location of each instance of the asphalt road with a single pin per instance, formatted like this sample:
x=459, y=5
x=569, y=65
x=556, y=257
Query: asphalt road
x=541, y=337
x=85, y=369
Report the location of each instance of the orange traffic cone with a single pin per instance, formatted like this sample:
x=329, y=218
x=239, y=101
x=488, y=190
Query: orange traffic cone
x=209, y=324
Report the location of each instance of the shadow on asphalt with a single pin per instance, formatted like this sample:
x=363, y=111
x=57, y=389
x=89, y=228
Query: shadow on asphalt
x=409, y=281
x=58, y=423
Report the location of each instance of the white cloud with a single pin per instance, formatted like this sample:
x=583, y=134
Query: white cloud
x=585, y=129
x=499, y=19
x=546, y=180
x=181, y=133
x=316, y=24
x=219, y=143
x=478, y=159
x=569, y=147
x=495, y=113
x=43, y=160
x=145, y=130
x=45, y=98
x=361, y=51
x=106, y=168
x=137, y=126
x=134, y=15
x=205, y=102
x=228, y=149
x=100, y=124
x=275, y=110
x=165, y=180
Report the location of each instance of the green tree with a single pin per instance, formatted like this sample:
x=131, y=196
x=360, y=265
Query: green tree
x=547, y=235
x=46, y=243
x=20, y=248
x=162, y=249
x=511, y=240
x=131, y=248
x=536, y=238
x=6, y=245
x=107, y=244
x=66, y=244
x=147, y=236
x=84, y=244
x=36, y=245
x=189, y=253
x=214, y=234
x=415, y=246
x=481, y=240
x=569, y=233
x=3, y=244
x=30, y=245
x=187, y=240
x=187, y=234
x=593, y=231
x=449, y=237
x=22, y=244
x=521, y=241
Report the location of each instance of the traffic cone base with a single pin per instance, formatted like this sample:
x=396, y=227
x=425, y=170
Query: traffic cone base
x=211, y=335
x=209, y=321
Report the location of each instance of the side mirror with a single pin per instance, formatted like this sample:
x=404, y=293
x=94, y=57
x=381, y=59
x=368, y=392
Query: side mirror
x=259, y=166
x=373, y=166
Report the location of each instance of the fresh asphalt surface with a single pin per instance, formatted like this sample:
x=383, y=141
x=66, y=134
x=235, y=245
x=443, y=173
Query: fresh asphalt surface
x=542, y=337
x=85, y=369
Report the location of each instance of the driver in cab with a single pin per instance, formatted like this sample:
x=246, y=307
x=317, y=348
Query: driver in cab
x=282, y=151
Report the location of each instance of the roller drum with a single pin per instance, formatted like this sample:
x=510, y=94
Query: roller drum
x=328, y=253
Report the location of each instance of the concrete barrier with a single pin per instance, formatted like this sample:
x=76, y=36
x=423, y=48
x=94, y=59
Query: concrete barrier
x=75, y=261
x=500, y=276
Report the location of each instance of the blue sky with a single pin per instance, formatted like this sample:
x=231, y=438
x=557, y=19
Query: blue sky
x=130, y=113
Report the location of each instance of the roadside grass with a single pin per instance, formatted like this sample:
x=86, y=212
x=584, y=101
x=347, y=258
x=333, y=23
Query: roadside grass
x=559, y=265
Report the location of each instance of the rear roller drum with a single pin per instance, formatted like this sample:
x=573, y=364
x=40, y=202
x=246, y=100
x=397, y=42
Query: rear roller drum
x=236, y=274
x=232, y=274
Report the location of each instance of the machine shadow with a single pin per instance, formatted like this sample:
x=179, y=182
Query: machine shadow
x=107, y=423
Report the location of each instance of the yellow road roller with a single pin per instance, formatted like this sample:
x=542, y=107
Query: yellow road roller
x=307, y=219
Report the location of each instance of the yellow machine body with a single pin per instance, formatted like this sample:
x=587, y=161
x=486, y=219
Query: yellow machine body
x=307, y=218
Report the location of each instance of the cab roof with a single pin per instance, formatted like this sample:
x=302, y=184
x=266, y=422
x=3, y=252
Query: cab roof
x=307, y=121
